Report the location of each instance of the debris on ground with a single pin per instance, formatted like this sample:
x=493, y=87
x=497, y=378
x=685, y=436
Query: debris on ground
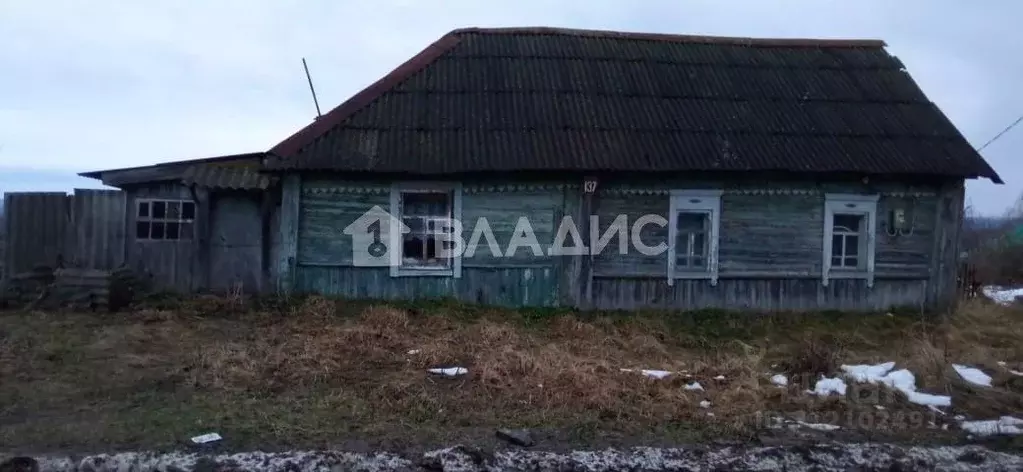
x=518, y=437
x=449, y=371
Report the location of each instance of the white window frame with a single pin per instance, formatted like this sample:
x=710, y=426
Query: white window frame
x=695, y=201
x=396, y=237
x=850, y=204
x=180, y=220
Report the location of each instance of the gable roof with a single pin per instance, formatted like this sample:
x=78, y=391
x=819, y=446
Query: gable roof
x=543, y=99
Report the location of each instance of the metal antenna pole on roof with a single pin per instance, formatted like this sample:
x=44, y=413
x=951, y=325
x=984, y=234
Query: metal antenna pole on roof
x=311, y=89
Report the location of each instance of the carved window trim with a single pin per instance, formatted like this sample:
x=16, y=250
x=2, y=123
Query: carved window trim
x=850, y=204
x=706, y=202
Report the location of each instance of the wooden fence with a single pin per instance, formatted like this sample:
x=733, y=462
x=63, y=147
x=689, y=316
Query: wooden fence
x=83, y=230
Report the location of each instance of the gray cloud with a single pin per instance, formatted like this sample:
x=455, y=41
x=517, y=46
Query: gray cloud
x=107, y=83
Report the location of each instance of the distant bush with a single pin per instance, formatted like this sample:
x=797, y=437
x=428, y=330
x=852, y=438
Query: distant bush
x=994, y=249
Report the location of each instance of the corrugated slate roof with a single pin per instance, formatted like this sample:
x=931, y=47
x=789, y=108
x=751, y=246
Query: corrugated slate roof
x=226, y=177
x=486, y=100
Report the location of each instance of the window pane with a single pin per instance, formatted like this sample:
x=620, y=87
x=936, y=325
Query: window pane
x=413, y=247
x=185, y=232
x=157, y=230
x=851, y=262
x=187, y=210
x=425, y=204
x=836, y=262
x=848, y=223
x=697, y=261
x=143, y=209
x=159, y=209
x=692, y=222
x=852, y=245
x=173, y=210
x=699, y=248
x=142, y=230
x=836, y=244
x=682, y=261
x=171, y=231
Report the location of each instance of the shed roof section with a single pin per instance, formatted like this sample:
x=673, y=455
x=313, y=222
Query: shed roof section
x=539, y=99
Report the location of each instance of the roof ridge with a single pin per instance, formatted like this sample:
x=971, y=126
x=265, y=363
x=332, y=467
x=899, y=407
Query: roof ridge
x=680, y=38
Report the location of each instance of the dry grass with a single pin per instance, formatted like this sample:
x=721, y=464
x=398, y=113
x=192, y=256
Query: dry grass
x=315, y=371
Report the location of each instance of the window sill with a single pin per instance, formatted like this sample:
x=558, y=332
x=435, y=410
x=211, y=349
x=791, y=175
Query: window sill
x=407, y=272
x=693, y=275
x=848, y=274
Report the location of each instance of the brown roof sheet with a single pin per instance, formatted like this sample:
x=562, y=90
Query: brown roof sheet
x=495, y=100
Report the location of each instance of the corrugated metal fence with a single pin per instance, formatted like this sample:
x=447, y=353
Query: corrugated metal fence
x=85, y=229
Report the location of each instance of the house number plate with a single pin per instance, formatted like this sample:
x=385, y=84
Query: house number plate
x=590, y=185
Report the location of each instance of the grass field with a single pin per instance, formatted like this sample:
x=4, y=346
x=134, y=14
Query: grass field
x=315, y=373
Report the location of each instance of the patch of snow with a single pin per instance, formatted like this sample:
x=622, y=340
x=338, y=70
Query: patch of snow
x=879, y=407
x=710, y=413
x=819, y=426
x=694, y=386
x=973, y=375
x=826, y=386
x=1001, y=363
x=705, y=404
x=1002, y=296
x=902, y=380
x=936, y=410
x=780, y=380
x=1003, y=425
x=720, y=377
x=413, y=352
x=959, y=417
x=449, y=371
x=1011, y=371
x=868, y=373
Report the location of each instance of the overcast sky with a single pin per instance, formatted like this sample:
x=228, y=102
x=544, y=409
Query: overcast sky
x=96, y=84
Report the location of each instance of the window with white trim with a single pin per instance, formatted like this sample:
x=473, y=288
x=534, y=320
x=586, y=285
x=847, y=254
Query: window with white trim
x=428, y=211
x=162, y=219
x=849, y=227
x=693, y=223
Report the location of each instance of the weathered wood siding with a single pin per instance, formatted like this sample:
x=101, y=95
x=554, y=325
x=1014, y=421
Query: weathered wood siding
x=236, y=254
x=770, y=247
x=324, y=253
x=84, y=230
x=171, y=264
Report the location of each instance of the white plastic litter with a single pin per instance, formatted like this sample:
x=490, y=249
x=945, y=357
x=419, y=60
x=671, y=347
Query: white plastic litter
x=973, y=375
x=206, y=438
x=656, y=374
x=693, y=386
x=449, y=371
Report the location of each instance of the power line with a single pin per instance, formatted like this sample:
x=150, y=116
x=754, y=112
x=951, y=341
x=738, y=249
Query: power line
x=999, y=135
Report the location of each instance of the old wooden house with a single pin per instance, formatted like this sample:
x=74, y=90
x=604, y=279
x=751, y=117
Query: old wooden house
x=771, y=174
